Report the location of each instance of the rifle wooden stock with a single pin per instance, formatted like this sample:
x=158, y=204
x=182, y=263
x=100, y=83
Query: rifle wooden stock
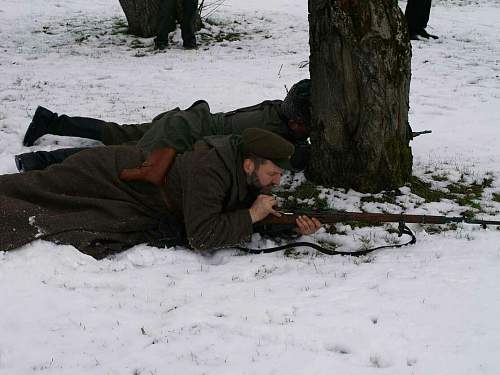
x=330, y=217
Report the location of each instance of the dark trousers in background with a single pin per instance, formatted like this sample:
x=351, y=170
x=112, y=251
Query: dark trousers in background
x=168, y=17
x=417, y=14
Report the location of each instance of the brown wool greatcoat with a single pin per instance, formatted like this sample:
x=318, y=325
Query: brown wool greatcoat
x=82, y=202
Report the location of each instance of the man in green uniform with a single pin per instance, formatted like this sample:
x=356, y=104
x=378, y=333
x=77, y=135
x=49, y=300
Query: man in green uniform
x=211, y=199
x=176, y=128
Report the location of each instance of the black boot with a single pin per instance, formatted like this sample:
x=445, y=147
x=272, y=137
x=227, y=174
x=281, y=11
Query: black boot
x=33, y=161
x=160, y=45
x=39, y=125
x=190, y=44
x=47, y=122
x=426, y=35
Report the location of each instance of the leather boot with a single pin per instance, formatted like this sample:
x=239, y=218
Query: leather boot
x=39, y=126
x=154, y=169
x=47, y=122
x=426, y=35
x=33, y=161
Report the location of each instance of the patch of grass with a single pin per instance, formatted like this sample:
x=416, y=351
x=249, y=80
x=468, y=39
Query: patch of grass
x=120, y=26
x=423, y=189
x=433, y=229
x=390, y=239
x=294, y=253
x=440, y=177
x=468, y=201
x=361, y=224
x=392, y=230
x=47, y=30
x=469, y=214
x=82, y=38
x=332, y=229
x=468, y=194
x=328, y=245
x=230, y=37
x=386, y=197
x=363, y=259
x=463, y=193
x=473, y=189
x=221, y=36
x=487, y=182
x=136, y=43
x=211, y=21
x=305, y=191
x=366, y=241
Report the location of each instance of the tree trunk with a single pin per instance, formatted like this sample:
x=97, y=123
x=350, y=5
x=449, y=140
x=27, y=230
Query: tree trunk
x=360, y=74
x=142, y=16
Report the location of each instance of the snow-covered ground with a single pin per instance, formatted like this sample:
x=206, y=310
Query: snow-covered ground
x=431, y=308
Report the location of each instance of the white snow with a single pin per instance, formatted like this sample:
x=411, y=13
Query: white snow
x=431, y=308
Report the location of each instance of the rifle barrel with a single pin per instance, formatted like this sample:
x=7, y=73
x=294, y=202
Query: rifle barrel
x=341, y=216
x=416, y=134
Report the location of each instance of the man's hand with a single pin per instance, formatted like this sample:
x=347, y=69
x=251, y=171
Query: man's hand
x=306, y=225
x=262, y=207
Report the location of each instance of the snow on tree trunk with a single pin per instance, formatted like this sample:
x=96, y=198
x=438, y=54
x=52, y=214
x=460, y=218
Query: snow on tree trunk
x=360, y=73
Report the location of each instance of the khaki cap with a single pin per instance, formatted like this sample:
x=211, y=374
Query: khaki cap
x=268, y=145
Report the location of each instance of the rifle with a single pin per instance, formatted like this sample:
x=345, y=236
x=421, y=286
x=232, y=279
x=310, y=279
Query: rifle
x=333, y=216
x=416, y=134
x=288, y=220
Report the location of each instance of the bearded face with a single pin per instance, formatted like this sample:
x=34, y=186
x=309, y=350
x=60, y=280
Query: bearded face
x=263, y=177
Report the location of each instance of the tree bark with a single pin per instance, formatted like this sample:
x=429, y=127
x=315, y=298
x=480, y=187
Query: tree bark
x=360, y=75
x=142, y=16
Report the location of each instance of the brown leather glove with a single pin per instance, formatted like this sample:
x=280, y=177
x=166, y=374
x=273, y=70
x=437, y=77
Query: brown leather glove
x=154, y=169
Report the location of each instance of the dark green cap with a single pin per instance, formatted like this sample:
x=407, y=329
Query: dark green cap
x=268, y=145
x=297, y=103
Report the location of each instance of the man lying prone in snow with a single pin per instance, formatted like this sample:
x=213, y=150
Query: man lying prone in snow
x=211, y=198
x=177, y=129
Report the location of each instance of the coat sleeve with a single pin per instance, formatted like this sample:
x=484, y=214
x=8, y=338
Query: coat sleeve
x=178, y=129
x=208, y=226
x=172, y=130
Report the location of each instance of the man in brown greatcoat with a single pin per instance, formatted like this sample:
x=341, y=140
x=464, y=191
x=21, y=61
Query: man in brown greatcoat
x=212, y=197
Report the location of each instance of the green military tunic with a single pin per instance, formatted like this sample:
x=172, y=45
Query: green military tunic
x=180, y=129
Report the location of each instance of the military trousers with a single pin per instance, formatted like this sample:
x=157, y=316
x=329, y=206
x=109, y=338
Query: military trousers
x=417, y=14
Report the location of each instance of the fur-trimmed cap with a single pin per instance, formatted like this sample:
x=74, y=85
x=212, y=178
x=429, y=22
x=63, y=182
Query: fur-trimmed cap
x=268, y=145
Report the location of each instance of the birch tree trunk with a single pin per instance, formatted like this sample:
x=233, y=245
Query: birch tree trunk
x=360, y=74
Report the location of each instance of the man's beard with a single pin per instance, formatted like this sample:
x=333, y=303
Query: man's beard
x=255, y=185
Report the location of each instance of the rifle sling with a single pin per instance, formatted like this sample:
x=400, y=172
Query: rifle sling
x=403, y=229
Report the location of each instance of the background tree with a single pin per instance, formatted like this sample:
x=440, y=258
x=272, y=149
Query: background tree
x=360, y=73
x=143, y=16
